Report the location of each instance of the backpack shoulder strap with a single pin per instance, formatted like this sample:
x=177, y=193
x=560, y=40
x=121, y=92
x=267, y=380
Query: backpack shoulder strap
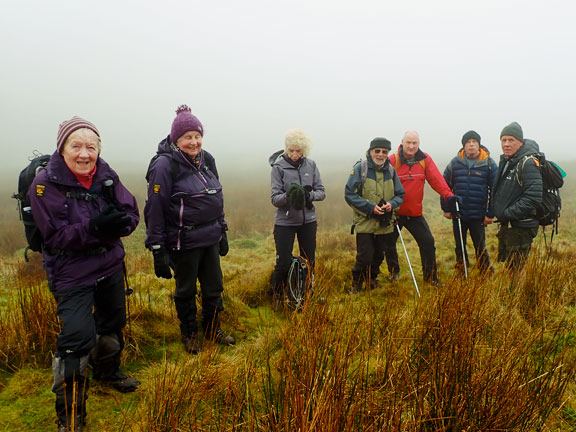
x=521, y=164
x=363, y=171
x=397, y=162
x=173, y=166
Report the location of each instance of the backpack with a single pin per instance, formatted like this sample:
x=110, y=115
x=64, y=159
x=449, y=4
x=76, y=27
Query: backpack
x=37, y=163
x=299, y=282
x=552, y=180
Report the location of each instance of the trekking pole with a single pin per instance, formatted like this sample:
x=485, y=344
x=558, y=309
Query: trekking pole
x=461, y=240
x=407, y=258
x=129, y=291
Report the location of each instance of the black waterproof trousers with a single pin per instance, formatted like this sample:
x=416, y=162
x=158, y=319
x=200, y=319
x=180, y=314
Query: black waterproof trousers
x=284, y=238
x=418, y=227
x=478, y=234
x=192, y=266
x=370, y=250
x=92, y=317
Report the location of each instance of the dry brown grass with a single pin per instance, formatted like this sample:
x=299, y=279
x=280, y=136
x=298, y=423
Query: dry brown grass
x=484, y=354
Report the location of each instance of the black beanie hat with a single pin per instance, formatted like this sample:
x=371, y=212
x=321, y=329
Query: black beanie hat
x=380, y=143
x=513, y=129
x=470, y=135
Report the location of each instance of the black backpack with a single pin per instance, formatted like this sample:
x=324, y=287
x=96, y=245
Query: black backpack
x=37, y=163
x=549, y=210
x=299, y=282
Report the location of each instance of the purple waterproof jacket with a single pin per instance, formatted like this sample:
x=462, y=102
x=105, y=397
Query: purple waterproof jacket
x=185, y=206
x=73, y=256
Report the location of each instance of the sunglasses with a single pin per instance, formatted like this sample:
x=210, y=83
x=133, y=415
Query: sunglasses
x=378, y=151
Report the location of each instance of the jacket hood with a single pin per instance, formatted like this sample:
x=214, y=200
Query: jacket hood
x=484, y=153
x=166, y=147
x=58, y=171
x=420, y=155
x=529, y=147
x=275, y=157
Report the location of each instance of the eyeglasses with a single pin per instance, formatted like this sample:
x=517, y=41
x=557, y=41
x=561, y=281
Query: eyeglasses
x=378, y=151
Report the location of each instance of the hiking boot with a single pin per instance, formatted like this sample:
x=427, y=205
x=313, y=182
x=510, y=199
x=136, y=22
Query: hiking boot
x=374, y=284
x=121, y=382
x=436, y=283
x=222, y=338
x=393, y=277
x=68, y=427
x=191, y=343
x=356, y=287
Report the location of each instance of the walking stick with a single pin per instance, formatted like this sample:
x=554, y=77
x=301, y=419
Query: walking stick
x=461, y=239
x=129, y=291
x=407, y=259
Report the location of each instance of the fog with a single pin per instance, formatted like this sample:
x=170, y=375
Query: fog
x=344, y=72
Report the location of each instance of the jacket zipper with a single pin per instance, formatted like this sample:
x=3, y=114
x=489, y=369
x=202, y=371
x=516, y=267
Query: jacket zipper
x=180, y=222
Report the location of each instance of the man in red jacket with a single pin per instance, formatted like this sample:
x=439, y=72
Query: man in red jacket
x=414, y=167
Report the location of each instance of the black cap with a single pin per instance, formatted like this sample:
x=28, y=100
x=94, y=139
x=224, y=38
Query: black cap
x=380, y=143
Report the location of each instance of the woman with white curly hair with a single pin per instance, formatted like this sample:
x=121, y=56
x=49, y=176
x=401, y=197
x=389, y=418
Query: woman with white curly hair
x=295, y=185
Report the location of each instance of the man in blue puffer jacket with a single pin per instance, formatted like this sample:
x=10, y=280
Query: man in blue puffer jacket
x=471, y=175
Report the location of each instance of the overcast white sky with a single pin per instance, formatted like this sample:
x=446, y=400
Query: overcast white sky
x=344, y=72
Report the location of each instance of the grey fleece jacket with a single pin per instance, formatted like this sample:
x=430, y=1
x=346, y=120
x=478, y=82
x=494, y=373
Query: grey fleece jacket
x=284, y=173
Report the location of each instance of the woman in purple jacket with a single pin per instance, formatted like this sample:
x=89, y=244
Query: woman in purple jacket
x=82, y=210
x=185, y=227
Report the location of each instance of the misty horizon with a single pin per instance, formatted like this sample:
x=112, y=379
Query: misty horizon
x=250, y=71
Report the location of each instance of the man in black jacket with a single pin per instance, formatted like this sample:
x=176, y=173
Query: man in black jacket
x=517, y=195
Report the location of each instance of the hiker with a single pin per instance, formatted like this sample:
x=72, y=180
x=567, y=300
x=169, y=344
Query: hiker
x=373, y=195
x=517, y=196
x=82, y=210
x=414, y=168
x=470, y=175
x=295, y=186
x=185, y=227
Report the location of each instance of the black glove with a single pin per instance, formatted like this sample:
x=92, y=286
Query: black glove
x=223, y=247
x=455, y=204
x=385, y=219
x=162, y=263
x=111, y=222
x=296, y=196
x=308, y=196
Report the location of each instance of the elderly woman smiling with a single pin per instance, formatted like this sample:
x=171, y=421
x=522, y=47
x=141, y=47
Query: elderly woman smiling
x=82, y=210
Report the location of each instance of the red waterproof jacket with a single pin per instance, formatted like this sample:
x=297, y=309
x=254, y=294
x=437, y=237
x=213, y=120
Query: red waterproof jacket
x=413, y=176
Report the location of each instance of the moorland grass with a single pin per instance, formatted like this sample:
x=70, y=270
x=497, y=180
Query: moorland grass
x=489, y=353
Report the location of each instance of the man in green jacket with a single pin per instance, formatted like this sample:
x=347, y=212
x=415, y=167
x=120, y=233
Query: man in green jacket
x=373, y=191
x=517, y=195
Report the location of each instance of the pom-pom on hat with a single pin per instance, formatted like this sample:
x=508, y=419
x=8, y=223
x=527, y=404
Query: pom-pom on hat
x=470, y=135
x=380, y=143
x=513, y=129
x=67, y=127
x=184, y=122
